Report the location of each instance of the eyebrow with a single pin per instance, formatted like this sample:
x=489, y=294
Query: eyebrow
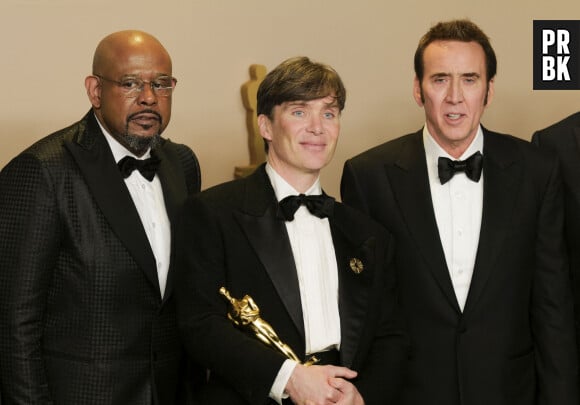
x=468, y=74
x=302, y=103
x=298, y=103
x=138, y=76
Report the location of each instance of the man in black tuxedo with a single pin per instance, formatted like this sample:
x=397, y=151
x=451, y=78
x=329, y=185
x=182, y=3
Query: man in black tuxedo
x=563, y=137
x=321, y=276
x=87, y=314
x=479, y=254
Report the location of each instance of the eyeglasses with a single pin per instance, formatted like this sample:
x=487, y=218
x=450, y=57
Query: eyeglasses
x=133, y=86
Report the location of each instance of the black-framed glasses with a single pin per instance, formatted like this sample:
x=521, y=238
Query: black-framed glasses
x=133, y=86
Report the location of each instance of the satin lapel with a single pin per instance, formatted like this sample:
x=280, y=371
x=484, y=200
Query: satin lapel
x=172, y=179
x=97, y=165
x=410, y=183
x=174, y=193
x=269, y=239
x=501, y=176
x=353, y=288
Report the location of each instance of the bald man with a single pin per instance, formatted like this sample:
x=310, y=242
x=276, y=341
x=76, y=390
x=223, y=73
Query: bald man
x=87, y=314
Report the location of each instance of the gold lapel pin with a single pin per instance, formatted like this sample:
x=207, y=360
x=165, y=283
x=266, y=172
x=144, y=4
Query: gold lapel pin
x=356, y=265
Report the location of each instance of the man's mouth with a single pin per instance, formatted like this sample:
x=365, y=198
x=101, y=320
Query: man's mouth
x=145, y=119
x=312, y=145
x=147, y=116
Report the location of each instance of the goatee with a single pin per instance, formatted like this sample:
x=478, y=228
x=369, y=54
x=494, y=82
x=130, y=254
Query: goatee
x=140, y=144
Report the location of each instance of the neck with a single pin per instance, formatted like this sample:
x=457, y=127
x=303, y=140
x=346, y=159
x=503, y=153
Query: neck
x=455, y=148
x=302, y=185
x=299, y=180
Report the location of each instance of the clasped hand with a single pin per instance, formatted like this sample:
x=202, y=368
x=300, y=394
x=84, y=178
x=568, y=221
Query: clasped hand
x=323, y=385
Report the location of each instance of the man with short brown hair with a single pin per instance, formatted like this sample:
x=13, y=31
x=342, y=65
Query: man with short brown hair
x=477, y=221
x=319, y=272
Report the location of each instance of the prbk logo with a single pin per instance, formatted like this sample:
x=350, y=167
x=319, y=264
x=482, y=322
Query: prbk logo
x=556, y=54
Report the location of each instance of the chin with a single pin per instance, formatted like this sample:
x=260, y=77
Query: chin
x=142, y=142
x=316, y=167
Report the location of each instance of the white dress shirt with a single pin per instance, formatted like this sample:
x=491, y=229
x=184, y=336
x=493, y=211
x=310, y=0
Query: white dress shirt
x=149, y=201
x=458, y=208
x=315, y=259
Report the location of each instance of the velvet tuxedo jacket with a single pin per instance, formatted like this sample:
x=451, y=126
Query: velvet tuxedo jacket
x=82, y=320
x=564, y=138
x=232, y=236
x=514, y=342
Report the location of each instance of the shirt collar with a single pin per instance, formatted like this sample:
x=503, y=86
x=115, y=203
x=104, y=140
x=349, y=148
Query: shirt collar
x=119, y=151
x=283, y=189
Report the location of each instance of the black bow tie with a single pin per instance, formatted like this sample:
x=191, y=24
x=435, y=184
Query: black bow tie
x=319, y=205
x=147, y=167
x=471, y=166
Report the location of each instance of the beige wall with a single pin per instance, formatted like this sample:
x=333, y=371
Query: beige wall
x=47, y=47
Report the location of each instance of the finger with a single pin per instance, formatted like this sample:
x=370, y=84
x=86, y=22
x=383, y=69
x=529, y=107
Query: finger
x=342, y=372
x=349, y=393
x=340, y=384
x=333, y=395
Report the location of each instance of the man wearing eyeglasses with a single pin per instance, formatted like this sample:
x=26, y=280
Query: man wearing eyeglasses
x=87, y=314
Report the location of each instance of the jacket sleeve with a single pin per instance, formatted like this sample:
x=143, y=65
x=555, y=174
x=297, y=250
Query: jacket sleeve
x=242, y=362
x=381, y=376
x=552, y=316
x=29, y=240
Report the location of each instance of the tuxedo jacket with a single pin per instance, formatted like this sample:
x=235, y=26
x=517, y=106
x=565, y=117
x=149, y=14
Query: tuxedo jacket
x=564, y=138
x=82, y=320
x=232, y=235
x=514, y=341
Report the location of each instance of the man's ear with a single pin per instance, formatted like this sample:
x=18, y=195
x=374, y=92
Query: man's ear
x=265, y=127
x=417, y=92
x=490, y=92
x=93, y=87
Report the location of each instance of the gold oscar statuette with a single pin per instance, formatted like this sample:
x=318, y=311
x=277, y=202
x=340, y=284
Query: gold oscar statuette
x=244, y=313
